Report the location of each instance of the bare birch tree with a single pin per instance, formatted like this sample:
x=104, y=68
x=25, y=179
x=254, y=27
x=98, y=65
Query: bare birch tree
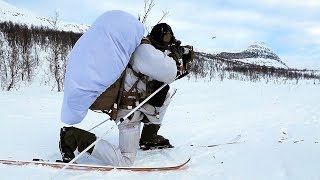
x=148, y=5
x=13, y=67
x=57, y=55
x=3, y=67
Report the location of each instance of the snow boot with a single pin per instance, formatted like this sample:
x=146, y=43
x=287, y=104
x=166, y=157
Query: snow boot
x=72, y=138
x=151, y=140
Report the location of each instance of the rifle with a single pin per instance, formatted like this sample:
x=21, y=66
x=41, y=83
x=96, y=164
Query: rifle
x=186, y=53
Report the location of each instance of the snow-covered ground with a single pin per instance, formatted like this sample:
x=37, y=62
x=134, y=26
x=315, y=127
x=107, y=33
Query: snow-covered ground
x=278, y=123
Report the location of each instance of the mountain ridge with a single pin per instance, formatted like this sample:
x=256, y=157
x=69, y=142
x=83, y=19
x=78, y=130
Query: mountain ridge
x=11, y=13
x=256, y=54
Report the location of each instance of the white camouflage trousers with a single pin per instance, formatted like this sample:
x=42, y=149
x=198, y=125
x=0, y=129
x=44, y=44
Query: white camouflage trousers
x=129, y=135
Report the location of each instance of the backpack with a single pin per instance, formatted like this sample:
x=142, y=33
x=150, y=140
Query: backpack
x=109, y=100
x=96, y=64
x=115, y=97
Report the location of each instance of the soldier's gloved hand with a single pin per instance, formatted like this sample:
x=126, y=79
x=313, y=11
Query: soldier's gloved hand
x=175, y=54
x=188, y=56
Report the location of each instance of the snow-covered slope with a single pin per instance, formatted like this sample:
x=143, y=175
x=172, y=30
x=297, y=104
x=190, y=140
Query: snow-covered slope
x=279, y=126
x=9, y=12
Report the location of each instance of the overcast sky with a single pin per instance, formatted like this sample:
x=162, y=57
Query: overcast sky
x=290, y=28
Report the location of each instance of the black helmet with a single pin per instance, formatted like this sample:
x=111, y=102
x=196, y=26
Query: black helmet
x=159, y=30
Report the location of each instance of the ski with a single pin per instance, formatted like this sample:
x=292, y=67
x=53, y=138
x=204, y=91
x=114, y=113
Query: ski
x=85, y=167
x=233, y=141
x=146, y=147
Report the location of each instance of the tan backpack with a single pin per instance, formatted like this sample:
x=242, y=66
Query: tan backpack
x=108, y=101
x=115, y=97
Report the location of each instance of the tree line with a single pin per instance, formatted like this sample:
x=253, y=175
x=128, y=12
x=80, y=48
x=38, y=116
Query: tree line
x=214, y=66
x=25, y=49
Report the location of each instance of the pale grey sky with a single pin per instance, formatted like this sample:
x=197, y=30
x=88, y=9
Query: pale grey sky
x=291, y=28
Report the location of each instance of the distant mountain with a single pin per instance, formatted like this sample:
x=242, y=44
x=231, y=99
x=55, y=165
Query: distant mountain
x=255, y=54
x=11, y=13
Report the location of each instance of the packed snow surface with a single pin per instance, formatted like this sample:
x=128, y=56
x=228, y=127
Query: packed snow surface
x=278, y=125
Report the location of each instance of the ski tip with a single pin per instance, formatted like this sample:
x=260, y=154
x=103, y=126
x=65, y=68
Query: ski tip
x=183, y=164
x=187, y=161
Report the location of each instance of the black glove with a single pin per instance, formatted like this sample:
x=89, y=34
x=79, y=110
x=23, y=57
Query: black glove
x=187, y=58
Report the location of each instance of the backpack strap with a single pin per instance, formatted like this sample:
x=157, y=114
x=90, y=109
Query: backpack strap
x=145, y=41
x=127, y=99
x=130, y=99
x=137, y=74
x=113, y=112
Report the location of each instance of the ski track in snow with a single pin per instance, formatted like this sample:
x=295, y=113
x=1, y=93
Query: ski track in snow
x=278, y=123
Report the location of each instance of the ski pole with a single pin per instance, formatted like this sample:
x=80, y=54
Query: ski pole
x=99, y=124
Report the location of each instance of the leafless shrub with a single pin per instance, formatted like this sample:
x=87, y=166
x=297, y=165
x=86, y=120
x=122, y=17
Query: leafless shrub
x=148, y=5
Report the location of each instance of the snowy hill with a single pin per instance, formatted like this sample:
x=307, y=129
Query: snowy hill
x=255, y=54
x=9, y=12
